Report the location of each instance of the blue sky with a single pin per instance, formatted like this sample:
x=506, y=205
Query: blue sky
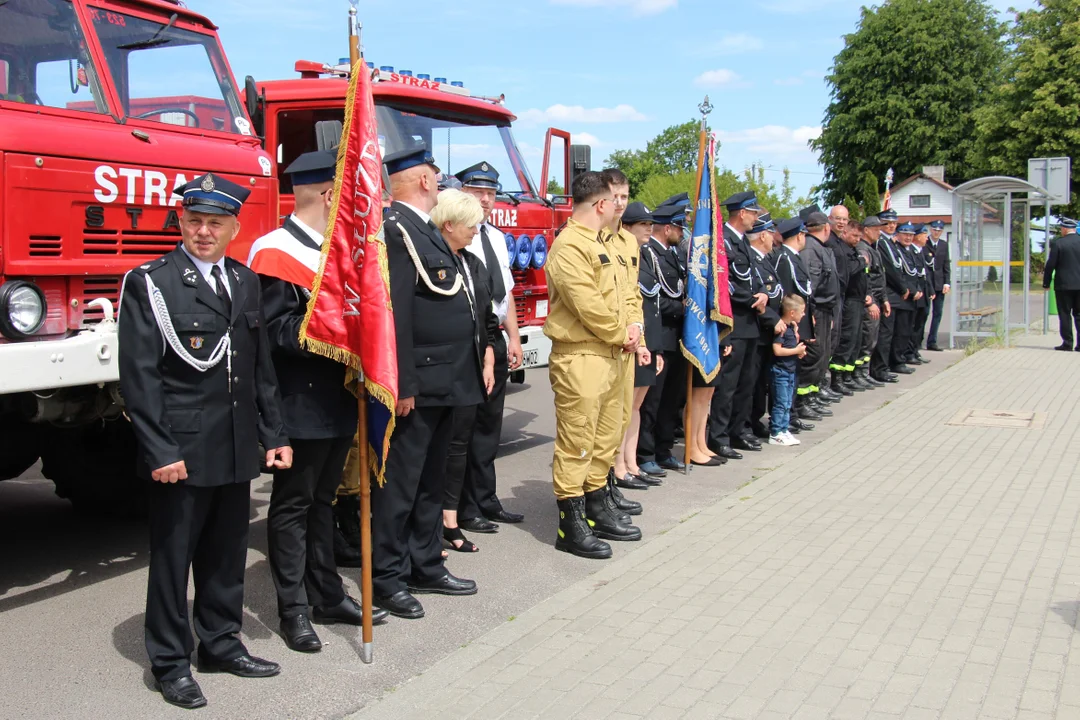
x=612, y=72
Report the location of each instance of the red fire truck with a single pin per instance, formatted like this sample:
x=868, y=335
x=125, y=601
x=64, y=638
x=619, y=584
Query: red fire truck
x=105, y=106
x=304, y=114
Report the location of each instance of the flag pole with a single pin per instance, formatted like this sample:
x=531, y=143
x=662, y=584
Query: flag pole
x=704, y=108
x=366, y=634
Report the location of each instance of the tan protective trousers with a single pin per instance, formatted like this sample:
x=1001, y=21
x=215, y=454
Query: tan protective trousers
x=589, y=392
x=350, y=476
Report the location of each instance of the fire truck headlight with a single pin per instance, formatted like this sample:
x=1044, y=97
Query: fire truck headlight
x=22, y=309
x=539, y=251
x=511, y=246
x=523, y=254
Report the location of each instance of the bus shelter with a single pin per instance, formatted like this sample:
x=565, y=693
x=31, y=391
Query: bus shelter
x=991, y=289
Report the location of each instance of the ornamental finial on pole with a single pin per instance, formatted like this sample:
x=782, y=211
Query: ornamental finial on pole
x=706, y=107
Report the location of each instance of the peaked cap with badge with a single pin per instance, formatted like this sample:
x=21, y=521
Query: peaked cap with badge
x=213, y=195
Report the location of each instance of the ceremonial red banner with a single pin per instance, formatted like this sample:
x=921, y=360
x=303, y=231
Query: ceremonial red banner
x=349, y=316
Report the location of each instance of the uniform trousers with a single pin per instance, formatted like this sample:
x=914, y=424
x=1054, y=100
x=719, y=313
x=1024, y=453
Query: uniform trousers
x=300, y=526
x=661, y=410
x=879, y=359
x=813, y=365
x=763, y=387
x=204, y=529
x=868, y=339
x=837, y=320
x=478, y=494
x=627, y=368
x=589, y=396
x=937, y=310
x=406, y=512
x=731, y=402
x=903, y=327
x=457, y=458
x=847, y=350
x=1068, y=305
x=918, y=327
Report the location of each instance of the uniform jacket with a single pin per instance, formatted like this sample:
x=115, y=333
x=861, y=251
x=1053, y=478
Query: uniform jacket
x=858, y=279
x=795, y=278
x=672, y=278
x=875, y=277
x=588, y=311
x=628, y=253
x=898, y=279
x=1063, y=265
x=650, y=289
x=839, y=249
x=315, y=403
x=440, y=362
x=821, y=264
x=213, y=425
x=766, y=281
x=929, y=281
x=741, y=286
x=942, y=264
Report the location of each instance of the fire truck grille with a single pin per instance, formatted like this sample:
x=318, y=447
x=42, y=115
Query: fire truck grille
x=45, y=245
x=90, y=288
x=129, y=243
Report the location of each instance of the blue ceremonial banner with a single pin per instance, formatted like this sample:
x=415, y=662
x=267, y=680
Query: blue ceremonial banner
x=708, y=304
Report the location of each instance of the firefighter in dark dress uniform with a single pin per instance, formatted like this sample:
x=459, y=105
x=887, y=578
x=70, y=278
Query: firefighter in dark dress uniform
x=319, y=413
x=440, y=366
x=199, y=386
x=923, y=252
x=1063, y=270
x=901, y=278
x=761, y=238
x=875, y=289
x=795, y=279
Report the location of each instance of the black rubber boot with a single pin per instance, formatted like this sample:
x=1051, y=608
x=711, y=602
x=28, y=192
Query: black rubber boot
x=575, y=536
x=604, y=517
x=630, y=507
x=837, y=385
x=347, y=531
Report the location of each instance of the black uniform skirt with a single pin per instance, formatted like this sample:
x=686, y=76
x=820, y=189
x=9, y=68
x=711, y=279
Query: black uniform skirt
x=645, y=375
x=699, y=380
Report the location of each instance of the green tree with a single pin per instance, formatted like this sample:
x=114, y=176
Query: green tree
x=870, y=198
x=659, y=188
x=673, y=151
x=855, y=210
x=904, y=89
x=554, y=188
x=1035, y=110
x=780, y=202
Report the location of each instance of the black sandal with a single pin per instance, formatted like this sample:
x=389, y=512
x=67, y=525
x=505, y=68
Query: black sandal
x=453, y=535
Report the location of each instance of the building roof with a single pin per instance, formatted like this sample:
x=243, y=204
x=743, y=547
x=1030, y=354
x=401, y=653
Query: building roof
x=915, y=177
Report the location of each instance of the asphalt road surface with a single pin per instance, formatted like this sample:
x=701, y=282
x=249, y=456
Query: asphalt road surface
x=72, y=589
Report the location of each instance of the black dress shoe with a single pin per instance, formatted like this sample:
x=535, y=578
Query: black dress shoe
x=742, y=443
x=299, y=635
x=652, y=468
x=1064, y=346
x=711, y=462
x=478, y=525
x=807, y=412
x=886, y=378
x=245, y=666
x=648, y=479
x=446, y=585
x=183, y=692
x=348, y=611
x=671, y=463
x=934, y=348
x=401, y=604
x=726, y=451
x=505, y=516
x=826, y=394
x=760, y=431
x=796, y=424
x=902, y=369
x=631, y=482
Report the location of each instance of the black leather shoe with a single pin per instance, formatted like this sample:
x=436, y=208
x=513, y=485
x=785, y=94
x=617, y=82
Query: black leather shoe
x=711, y=462
x=631, y=482
x=244, y=666
x=401, y=604
x=478, y=525
x=653, y=468
x=886, y=378
x=446, y=585
x=726, y=451
x=934, y=348
x=902, y=369
x=808, y=412
x=183, y=692
x=797, y=424
x=1064, y=346
x=505, y=516
x=299, y=635
x=648, y=479
x=671, y=463
x=743, y=443
x=348, y=611
x=759, y=430
x=826, y=394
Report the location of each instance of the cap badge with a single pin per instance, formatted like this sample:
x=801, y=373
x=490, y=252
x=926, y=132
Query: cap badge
x=484, y=167
x=207, y=184
x=196, y=343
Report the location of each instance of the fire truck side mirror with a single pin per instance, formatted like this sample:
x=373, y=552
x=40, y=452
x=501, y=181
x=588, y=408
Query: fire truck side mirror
x=580, y=162
x=255, y=106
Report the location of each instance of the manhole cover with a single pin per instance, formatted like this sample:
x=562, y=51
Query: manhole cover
x=973, y=417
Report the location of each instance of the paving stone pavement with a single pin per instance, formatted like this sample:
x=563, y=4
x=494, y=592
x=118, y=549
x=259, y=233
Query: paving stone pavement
x=935, y=577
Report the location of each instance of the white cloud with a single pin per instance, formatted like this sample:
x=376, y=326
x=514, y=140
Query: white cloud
x=776, y=142
x=580, y=114
x=586, y=139
x=637, y=7
x=717, y=78
x=730, y=44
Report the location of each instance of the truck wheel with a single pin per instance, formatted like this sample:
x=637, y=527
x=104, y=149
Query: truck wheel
x=20, y=446
x=93, y=466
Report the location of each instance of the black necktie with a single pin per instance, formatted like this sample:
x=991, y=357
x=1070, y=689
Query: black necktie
x=222, y=293
x=498, y=287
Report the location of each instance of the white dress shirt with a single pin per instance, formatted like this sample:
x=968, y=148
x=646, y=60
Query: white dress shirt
x=206, y=268
x=498, y=243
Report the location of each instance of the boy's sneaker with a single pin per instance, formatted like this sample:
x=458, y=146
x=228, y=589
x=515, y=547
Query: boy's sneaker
x=780, y=439
x=791, y=439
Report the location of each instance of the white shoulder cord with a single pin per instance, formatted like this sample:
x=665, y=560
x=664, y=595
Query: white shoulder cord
x=735, y=269
x=168, y=332
x=660, y=278
x=892, y=256
x=422, y=273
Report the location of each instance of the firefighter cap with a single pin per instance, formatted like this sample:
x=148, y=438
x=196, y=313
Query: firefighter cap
x=402, y=160
x=636, y=212
x=480, y=175
x=906, y=229
x=313, y=168
x=212, y=194
x=872, y=221
x=742, y=201
x=762, y=224
x=938, y=224
x=680, y=200
x=888, y=216
x=1067, y=223
x=791, y=227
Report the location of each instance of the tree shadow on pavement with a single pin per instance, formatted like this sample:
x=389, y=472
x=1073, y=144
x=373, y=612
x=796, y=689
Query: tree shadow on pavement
x=1067, y=611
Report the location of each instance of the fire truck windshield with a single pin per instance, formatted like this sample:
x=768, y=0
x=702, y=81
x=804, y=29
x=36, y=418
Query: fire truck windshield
x=457, y=144
x=167, y=74
x=44, y=59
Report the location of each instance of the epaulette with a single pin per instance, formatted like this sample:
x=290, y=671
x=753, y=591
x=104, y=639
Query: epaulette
x=391, y=218
x=153, y=264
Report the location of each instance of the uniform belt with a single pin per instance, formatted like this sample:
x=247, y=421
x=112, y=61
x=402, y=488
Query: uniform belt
x=586, y=348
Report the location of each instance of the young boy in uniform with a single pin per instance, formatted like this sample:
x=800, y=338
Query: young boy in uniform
x=786, y=347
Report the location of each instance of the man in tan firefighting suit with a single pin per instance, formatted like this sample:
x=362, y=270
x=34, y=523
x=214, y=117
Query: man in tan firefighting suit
x=590, y=334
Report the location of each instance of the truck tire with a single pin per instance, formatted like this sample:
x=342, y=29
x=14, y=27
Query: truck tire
x=20, y=443
x=93, y=466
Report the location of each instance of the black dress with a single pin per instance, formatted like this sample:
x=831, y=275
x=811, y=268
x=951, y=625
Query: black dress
x=649, y=285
